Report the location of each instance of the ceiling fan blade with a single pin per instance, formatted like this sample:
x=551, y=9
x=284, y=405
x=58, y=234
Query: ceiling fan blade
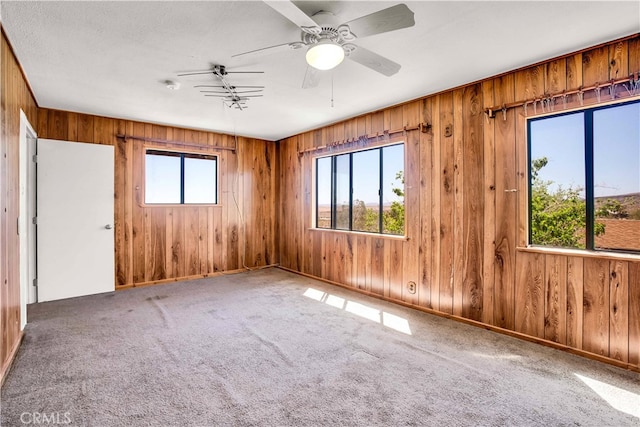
x=238, y=92
x=234, y=86
x=374, y=61
x=295, y=15
x=392, y=18
x=311, y=78
x=195, y=73
x=278, y=46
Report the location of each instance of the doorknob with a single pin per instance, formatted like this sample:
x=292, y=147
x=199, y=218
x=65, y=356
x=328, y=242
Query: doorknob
x=108, y=226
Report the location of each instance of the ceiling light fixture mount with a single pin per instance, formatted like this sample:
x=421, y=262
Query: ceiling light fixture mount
x=172, y=84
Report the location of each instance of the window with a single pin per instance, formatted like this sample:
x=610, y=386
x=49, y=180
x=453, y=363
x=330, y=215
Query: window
x=584, y=176
x=362, y=191
x=180, y=178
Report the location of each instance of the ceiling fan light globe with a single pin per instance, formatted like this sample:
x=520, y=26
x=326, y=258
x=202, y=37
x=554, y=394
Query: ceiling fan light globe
x=325, y=55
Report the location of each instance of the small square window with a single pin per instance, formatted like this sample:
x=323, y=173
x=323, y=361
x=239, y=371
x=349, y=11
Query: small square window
x=180, y=178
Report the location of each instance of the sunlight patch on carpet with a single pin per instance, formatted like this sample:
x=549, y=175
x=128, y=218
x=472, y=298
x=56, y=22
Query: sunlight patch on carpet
x=620, y=399
x=388, y=320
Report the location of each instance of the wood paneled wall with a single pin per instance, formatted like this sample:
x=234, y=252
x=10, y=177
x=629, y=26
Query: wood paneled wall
x=466, y=207
x=155, y=244
x=14, y=96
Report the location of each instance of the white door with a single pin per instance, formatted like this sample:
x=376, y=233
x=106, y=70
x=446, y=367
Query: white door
x=75, y=219
x=26, y=228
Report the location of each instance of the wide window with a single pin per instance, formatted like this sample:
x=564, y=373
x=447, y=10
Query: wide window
x=180, y=178
x=362, y=191
x=585, y=179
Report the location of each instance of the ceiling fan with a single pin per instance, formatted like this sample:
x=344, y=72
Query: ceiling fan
x=328, y=42
x=232, y=95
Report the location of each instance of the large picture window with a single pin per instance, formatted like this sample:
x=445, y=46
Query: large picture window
x=180, y=178
x=584, y=176
x=362, y=191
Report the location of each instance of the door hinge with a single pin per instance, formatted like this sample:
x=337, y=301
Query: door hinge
x=35, y=158
x=35, y=282
x=34, y=220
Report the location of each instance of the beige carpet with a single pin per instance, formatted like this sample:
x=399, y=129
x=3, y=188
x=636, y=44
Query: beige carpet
x=270, y=348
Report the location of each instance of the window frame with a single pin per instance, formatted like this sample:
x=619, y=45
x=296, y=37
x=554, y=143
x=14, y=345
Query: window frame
x=182, y=155
x=333, y=157
x=588, y=144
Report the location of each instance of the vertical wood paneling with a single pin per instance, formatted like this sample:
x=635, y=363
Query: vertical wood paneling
x=473, y=203
x=396, y=251
x=425, y=252
x=556, y=76
x=458, y=207
x=349, y=255
x=595, y=66
x=489, y=224
x=377, y=271
x=619, y=310
x=529, y=83
x=634, y=313
x=634, y=55
x=529, y=295
x=575, y=301
x=618, y=60
x=505, y=219
x=596, y=306
x=434, y=209
x=555, y=310
x=574, y=71
x=85, y=128
x=410, y=255
x=138, y=214
x=447, y=188
x=120, y=158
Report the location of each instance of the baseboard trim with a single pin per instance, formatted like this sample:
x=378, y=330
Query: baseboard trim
x=193, y=277
x=9, y=362
x=486, y=326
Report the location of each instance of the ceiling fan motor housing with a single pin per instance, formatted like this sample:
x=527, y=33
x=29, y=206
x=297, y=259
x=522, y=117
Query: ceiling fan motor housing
x=327, y=30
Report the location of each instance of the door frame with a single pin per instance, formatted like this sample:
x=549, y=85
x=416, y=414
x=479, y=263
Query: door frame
x=26, y=227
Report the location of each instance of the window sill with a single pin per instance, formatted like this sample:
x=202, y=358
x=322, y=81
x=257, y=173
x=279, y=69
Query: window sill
x=579, y=253
x=360, y=233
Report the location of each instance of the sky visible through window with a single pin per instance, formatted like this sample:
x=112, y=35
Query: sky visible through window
x=162, y=179
x=616, y=150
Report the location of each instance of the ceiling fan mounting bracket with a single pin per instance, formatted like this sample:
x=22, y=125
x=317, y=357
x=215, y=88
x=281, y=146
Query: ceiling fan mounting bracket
x=348, y=48
x=345, y=33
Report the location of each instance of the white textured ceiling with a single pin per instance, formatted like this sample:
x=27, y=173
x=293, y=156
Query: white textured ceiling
x=111, y=58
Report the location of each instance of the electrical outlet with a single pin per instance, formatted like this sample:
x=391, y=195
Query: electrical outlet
x=411, y=287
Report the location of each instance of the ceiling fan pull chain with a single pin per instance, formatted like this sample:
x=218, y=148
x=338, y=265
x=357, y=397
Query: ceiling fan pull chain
x=331, y=90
